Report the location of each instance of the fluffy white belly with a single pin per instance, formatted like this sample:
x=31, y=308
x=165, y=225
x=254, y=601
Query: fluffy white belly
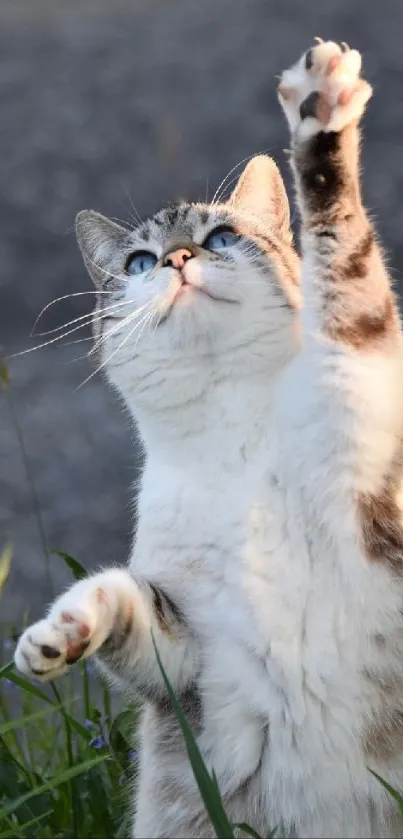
x=287, y=619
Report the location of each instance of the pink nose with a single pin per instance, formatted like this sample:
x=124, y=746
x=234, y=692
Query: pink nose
x=176, y=259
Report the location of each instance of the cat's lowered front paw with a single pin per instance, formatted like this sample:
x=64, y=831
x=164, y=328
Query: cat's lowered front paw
x=77, y=625
x=323, y=91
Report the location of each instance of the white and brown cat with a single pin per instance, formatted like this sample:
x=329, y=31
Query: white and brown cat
x=269, y=553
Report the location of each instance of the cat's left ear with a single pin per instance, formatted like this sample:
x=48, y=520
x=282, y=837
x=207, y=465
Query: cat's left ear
x=103, y=244
x=260, y=191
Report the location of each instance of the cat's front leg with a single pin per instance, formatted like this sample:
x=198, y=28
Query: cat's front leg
x=77, y=624
x=115, y=616
x=351, y=332
x=346, y=288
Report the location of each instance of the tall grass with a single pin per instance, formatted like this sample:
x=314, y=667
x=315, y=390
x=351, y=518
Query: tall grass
x=67, y=756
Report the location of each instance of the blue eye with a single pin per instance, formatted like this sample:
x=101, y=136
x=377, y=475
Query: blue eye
x=220, y=239
x=140, y=262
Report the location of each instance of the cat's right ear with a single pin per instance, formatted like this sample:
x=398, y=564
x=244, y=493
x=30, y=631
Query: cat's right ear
x=103, y=245
x=260, y=190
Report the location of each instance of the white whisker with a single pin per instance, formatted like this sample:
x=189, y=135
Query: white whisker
x=146, y=322
x=78, y=358
x=116, y=328
x=78, y=341
x=224, y=180
x=90, y=316
x=46, y=343
x=123, y=222
x=64, y=297
x=107, y=360
x=136, y=217
x=225, y=187
x=107, y=273
x=216, y=197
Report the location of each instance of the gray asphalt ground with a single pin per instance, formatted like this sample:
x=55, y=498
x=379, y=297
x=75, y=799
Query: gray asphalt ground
x=123, y=106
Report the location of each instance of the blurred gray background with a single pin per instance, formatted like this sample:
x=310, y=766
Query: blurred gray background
x=123, y=106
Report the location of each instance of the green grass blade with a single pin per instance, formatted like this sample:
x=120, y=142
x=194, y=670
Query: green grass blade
x=393, y=792
x=208, y=786
x=6, y=669
x=75, y=566
x=35, y=691
x=248, y=830
x=13, y=773
x=12, y=725
x=86, y=690
x=22, y=828
x=69, y=751
x=31, y=482
x=4, y=374
x=62, y=778
x=13, y=830
x=5, y=563
x=101, y=804
x=27, y=686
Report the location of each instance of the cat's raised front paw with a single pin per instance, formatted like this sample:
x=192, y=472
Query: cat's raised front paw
x=77, y=625
x=323, y=91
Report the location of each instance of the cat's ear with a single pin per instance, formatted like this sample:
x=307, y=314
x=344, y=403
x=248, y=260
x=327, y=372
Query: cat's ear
x=103, y=245
x=260, y=190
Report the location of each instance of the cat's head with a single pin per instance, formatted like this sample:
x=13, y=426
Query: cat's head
x=197, y=289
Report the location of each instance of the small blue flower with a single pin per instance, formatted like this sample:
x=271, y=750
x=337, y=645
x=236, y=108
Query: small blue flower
x=88, y=724
x=132, y=755
x=98, y=742
x=8, y=683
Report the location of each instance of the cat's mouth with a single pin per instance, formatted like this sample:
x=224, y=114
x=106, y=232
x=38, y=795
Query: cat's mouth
x=184, y=290
x=188, y=288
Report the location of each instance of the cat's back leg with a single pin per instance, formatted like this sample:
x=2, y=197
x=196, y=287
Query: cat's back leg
x=168, y=803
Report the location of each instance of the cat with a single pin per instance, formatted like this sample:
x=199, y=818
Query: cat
x=269, y=548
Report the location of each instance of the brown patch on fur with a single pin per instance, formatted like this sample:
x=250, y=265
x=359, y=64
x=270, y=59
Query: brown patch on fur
x=166, y=611
x=121, y=632
x=380, y=521
x=159, y=610
x=385, y=736
x=190, y=702
x=287, y=258
x=285, y=263
x=76, y=652
x=356, y=265
x=326, y=166
x=367, y=328
x=319, y=162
